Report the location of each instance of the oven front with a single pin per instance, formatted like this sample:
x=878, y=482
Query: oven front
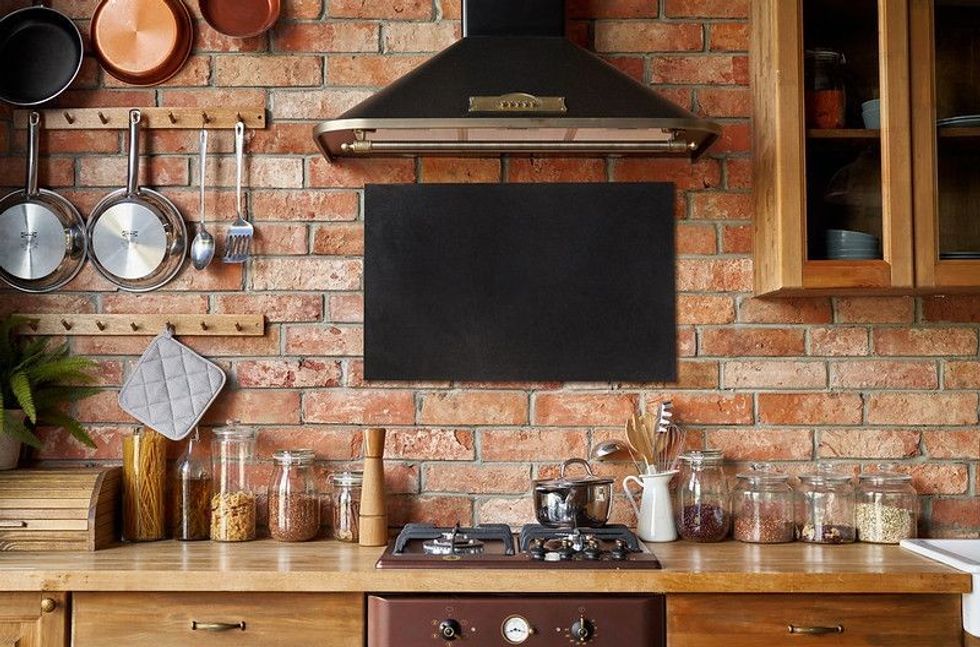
x=533, y=621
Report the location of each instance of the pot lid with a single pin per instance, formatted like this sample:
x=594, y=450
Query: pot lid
x=515, y=84
x=32, y=241
x=565, y=481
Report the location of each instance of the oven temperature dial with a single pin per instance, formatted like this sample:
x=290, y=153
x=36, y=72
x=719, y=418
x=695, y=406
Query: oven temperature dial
x=516, y=630
x=582, y=630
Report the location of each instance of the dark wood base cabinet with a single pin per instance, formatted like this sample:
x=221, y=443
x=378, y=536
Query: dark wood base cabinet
x=749, y=620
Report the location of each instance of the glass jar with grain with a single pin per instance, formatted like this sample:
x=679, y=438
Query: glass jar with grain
x=346, y=505
x=887, y=507
x=233, y=505
x=191, y=493
x=294, y=497
x=702, y=497
x=763, y=506
x=825, y=507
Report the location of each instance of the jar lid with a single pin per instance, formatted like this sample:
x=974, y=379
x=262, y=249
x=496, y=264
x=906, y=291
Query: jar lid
x=697, y=456
x=294, y=456
x=233, y=433
x=825, y=474
x=763, y=472
x=823, y=54
x=884, y=474
x=347, y=479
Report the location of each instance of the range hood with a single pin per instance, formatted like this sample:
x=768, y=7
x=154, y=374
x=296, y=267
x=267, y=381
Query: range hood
x=515, y=85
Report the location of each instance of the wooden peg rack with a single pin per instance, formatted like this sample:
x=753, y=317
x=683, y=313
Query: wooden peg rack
x=153, y=118
x=144, y=325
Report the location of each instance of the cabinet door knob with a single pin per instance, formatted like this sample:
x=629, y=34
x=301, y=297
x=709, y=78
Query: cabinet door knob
x=48, y=605
x=816, y=631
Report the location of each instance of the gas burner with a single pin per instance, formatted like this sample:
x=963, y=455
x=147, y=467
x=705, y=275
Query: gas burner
x=416, y=536
x=453, y=542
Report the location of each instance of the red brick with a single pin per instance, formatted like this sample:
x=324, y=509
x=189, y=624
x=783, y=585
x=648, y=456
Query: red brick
x=696, y=239
x=712, y=408
x=713, y=205
x=384, y=9
x=322, y=104
x=791, y=311
x=324, y=340
x=729, y=37
x=612, y=8
x=71, y=141
x=962, y=375
x=736, y=239
x=762, y=444
x=925, y=341
x=209, y=40
x=929, y=478
x=154, y=303
x=510, y=510
x=956, y=512
x=339, y=240
x=704, y=174
x=554, y=409
x=884, y=374
x=838, y=342
x=714, y=275
x=210, y=346
x=276, y=308
x=370, y=69
x=346, y=36
x=775, y=375
x=303, y=373
x=273, y=239
x=687, y=342
x=430, y=444
x=302, y=9
x=647, y=36
x=279, y=137
x=711, y=69
x=262, y=172
x=304, y=205
x=254, y=407
x=632, y=65
x=694, y=375
x=875, y=309
x=306, y=274
x=205, y=97
x=751, y=342
x=111, y=171
x=547, y=169
x=355, y=378
x=704, y=309
x=707, y=8
x=453, y=170
x=268, y=71
x=359, y=407
x=809, y=408
x=868, y=443
x=541, y=444
x=738, y=173
x=725, y=102
x=101, y=407
x=922, y=408
x=343, y=308
x=965, y=309
x=60, y=445
x=474, y=408
x=355, y=173
x=420, y=36
x=477, y=479
x=952, y=443
x=439, y=510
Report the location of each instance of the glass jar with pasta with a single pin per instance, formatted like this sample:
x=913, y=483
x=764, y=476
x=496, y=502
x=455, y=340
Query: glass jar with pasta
x=233, y=505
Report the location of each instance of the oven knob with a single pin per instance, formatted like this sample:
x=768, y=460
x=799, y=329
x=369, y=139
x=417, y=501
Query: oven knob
x=582, y=630
x=450, y=630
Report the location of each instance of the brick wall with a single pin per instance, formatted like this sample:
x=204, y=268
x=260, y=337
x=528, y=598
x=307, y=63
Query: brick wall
x=855, y=380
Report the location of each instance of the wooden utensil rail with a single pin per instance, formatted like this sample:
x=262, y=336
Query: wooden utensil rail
x=153, y=118
x=123, y=325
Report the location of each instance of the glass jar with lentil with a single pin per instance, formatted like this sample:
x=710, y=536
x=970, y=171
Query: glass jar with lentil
x=702, y=497
x=825, y=507
x=887, y=506
x=763, y=506
x=294, y=496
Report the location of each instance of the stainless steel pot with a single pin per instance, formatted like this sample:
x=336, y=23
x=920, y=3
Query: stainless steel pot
x=42, y=235
x=573, y=501
x=137, y=237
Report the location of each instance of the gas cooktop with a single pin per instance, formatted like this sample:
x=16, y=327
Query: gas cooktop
x=495, y=546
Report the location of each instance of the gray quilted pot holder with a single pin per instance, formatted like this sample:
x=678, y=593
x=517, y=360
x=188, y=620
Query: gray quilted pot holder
x=171, y=387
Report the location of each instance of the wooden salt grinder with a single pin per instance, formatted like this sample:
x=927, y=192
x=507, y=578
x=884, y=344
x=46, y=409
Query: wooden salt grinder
x=373, y=518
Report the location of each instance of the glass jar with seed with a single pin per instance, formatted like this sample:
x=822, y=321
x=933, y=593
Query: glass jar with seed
x=763, y=506
x=294, y=498
x=702, y=513
x=233, y=505
x=346, y=505
x=825, y=507
x=191, y=493
x=887, y=506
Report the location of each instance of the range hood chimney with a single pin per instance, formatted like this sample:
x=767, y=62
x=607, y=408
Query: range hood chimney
x=515, y=85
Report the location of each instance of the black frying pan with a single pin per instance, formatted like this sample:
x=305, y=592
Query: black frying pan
x=41, y=50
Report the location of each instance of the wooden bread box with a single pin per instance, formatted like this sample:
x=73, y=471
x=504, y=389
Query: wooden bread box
x=59, y=509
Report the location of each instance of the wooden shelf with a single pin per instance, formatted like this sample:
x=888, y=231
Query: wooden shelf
x=958, y=133
x=843, y=133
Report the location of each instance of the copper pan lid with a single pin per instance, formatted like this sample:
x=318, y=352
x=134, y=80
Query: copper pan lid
x=240, y=18
x=142, y=42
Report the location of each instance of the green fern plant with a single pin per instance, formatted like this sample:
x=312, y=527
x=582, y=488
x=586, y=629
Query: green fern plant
x=41, y=382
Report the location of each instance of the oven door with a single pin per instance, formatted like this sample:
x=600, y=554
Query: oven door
x=534, y=621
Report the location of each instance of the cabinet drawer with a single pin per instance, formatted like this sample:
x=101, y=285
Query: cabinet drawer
x=765, y=619
x=204, y=619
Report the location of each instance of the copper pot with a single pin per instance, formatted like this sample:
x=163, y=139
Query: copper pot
x=142, y=42
x=240, y=18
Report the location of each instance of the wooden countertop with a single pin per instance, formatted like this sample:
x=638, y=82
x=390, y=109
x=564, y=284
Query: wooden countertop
x=327, y=566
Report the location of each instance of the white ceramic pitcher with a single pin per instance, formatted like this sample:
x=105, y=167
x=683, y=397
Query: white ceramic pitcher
x=654, y=514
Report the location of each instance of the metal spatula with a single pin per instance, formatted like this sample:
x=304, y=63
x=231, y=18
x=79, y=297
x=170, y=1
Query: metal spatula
x=240, y=234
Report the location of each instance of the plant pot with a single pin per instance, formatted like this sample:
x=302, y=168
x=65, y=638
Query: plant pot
x=9, y=446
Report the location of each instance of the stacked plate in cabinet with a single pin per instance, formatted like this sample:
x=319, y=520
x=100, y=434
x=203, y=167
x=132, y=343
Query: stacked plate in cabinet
x=843, y=244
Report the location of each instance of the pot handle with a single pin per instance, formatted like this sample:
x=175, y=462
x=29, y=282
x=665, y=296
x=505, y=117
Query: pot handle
x=34, y=125
x=629, y=493
x=575, y=461
x=132, y=179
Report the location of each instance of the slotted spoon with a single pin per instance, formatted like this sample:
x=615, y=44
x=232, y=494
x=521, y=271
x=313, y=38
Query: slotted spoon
x=239, y=240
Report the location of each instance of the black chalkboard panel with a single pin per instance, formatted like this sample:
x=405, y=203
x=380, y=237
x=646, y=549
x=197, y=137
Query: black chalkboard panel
x=571, y=282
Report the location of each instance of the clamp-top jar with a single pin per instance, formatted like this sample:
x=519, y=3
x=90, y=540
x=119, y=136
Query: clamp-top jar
x=702, y=497
x=763, y=506
x=887, y=507
x=825, y=510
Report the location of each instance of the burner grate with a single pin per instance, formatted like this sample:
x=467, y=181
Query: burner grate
x=608, y=533
x=428, y=532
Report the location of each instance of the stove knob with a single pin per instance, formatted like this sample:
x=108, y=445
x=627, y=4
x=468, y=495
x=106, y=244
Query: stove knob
x=450, y=630
x=582, y=630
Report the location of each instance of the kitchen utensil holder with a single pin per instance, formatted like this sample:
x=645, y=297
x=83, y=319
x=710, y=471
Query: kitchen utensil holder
x=152, y=118
x=123, y=325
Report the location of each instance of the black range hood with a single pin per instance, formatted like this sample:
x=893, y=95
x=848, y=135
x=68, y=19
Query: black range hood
x=515, y=85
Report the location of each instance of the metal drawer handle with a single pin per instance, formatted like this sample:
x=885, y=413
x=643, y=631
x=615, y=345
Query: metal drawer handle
x=5, y=523
x=217, y=626
x=816, y=631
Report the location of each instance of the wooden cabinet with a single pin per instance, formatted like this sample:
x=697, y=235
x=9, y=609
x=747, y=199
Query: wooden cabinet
x=903, y=189
x=205, y=619
x=841, y=620
x=33, y=619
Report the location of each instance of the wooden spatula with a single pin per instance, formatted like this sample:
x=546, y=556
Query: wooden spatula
x=638, y=439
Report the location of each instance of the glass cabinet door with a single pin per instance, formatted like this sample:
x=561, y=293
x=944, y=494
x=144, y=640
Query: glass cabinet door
x=945, y=64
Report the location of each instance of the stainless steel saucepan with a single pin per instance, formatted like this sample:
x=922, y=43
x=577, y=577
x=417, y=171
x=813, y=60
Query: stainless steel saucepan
x=42, y=235
x=573, y=501
x=137, y=237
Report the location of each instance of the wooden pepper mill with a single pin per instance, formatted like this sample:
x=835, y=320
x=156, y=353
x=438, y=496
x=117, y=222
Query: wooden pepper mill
x=373, y=517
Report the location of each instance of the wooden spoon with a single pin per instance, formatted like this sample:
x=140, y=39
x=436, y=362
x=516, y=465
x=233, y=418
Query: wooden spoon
x=638, y=439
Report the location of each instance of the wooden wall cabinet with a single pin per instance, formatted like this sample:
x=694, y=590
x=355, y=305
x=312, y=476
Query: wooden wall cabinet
x=34, y=619
x=909, y=183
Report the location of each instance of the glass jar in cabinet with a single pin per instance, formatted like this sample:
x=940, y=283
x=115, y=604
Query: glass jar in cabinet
x=346, y=505
x=825, y=507
x=294, y=497
x=763, y=507
x=702, y=497
x=233, y=506
x=887, y=508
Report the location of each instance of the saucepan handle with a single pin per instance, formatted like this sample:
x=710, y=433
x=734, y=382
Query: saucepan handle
x=33, y=126
x=132, y=180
